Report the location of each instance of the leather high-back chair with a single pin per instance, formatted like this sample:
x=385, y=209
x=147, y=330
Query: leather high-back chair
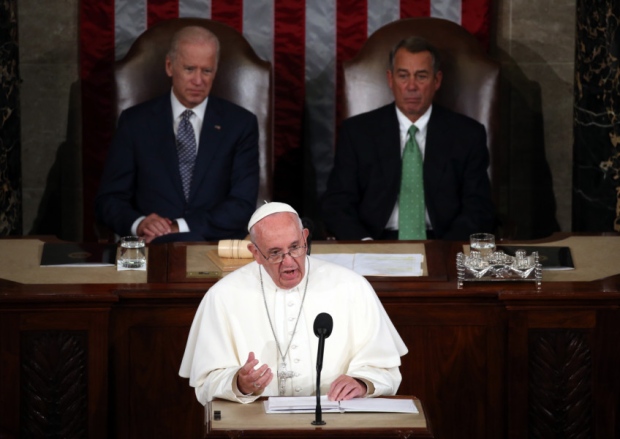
x=470, y=82
x=242, y=77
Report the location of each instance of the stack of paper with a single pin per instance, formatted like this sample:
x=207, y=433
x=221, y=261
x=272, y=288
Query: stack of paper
x=378, y=264
x=307, y=404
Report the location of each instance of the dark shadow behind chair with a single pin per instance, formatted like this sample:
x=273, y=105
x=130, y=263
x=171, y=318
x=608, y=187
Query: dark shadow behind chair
x=470, y=86
x=242, y=78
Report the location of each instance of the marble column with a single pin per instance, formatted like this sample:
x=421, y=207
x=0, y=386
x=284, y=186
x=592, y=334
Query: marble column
x=10, y=149
x=596, y=127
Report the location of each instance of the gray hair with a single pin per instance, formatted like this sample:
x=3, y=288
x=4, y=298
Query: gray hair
x=192, y=34
x=416, y=45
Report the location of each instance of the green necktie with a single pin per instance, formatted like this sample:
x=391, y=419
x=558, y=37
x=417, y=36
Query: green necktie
x=411, y=218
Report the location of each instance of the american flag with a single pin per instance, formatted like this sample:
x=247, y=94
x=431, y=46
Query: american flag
x=306, y=42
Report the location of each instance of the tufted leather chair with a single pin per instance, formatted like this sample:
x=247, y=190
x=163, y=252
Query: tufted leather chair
x=242, y=78
x=470, y=83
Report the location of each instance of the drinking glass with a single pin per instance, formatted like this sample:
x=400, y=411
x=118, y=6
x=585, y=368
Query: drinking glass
x=133, y=254
x=484, y=243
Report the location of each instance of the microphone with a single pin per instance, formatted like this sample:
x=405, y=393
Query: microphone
x=323, y=325
x=308, y=224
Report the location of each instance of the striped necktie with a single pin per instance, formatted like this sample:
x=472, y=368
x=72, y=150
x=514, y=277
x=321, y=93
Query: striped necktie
x=411, y=218
x=186, y=150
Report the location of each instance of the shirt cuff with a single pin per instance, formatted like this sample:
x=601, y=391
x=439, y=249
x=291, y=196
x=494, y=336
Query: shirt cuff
x=183, y=227
x=134, y=226
x=239, y=394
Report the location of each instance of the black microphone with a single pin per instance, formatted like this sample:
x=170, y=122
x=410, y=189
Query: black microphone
x=308, y=224
x=323, y=325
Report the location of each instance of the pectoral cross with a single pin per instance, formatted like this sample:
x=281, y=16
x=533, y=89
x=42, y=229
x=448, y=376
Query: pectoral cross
x=284, y=375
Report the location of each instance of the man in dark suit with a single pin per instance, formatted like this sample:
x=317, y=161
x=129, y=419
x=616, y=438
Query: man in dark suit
x=184, y=166
x=364, y=188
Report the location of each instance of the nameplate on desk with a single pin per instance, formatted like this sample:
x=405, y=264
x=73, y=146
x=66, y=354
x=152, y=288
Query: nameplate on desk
x=78, y=255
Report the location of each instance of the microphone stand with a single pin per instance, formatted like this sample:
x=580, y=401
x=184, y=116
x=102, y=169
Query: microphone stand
x=318, y=415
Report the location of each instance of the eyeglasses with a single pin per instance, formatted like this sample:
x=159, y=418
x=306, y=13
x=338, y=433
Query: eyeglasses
x=277, y=257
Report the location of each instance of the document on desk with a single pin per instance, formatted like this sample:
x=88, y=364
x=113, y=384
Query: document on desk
x=72, y=254
x=378, y=264
x=307, y=404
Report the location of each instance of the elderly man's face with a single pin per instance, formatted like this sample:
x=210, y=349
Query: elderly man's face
x=280, y=233
x=413, y=82
x=192, y=71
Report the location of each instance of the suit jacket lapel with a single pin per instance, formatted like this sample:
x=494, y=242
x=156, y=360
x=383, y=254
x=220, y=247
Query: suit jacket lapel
x=210, y=139
x=164, y=141
x=437, y=148
x=388, y=139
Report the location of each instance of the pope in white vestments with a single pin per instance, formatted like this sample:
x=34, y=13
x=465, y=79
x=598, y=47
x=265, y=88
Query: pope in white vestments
x=253, y=333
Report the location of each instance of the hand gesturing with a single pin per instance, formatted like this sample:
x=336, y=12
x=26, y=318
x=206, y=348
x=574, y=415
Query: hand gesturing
x=250, y=380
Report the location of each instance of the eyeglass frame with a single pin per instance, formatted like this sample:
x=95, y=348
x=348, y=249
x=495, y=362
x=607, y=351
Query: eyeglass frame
x=283, y=254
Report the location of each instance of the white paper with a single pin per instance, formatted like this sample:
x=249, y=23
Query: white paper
x=378, y=264
x=375, y=264
x=344, y=259
x=299, y=404
x=307, y=404
x=384, y=405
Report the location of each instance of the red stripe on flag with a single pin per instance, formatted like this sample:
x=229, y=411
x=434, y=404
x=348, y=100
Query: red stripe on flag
x=415, y=8
x=475, y=16
x=289, y=61
x=229, y=12
x=351, y=34
x=159, y=10
x=96, y=63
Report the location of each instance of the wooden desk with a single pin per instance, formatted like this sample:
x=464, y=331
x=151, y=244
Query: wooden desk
x=250, y=420
x=493, y=360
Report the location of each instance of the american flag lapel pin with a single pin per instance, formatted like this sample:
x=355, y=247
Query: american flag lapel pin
x=217, y=127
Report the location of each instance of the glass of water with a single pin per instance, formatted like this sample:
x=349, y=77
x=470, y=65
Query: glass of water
x=484, y=243
x=133, y=254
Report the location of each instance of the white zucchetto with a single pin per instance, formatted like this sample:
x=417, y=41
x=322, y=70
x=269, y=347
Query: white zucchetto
x=269, y=209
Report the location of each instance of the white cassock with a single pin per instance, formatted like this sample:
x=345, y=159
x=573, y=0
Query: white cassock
x=232, y=321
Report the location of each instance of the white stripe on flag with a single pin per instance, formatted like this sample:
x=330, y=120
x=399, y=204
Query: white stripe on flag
x=129, y=23
x=258, y=26
x=382, y=12
x=195, y=8
x=320, y=87
x=448, y=9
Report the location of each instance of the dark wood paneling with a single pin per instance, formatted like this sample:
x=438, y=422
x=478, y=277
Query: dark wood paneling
x=563, y=371
x=54, y=372
x=453, y=363
x=491, y=360
x=606, y=373
x=54, y=387
x=9, y=374
x=152, y=400
x=560, y=384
